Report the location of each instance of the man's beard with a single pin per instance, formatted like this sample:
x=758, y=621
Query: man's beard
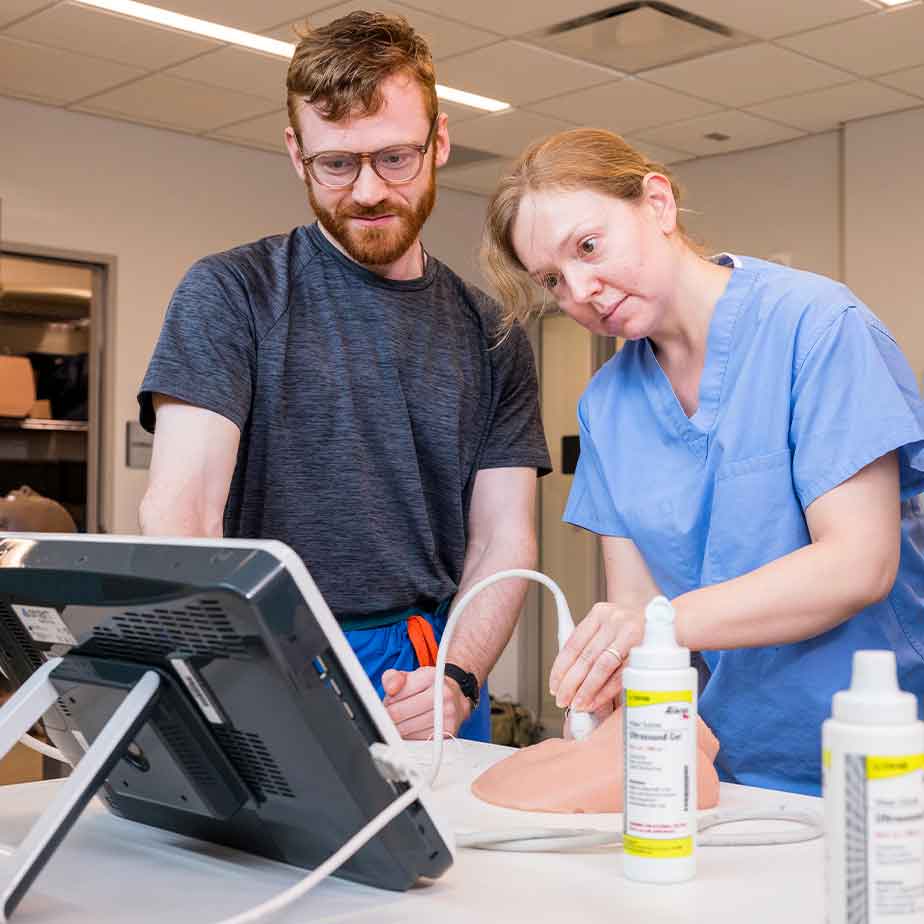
x=376, y=246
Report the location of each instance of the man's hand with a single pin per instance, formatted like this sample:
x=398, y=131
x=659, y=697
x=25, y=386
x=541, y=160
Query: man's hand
x=409, y=701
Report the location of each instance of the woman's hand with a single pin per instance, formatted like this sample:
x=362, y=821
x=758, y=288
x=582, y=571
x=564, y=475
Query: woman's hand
x=588, y=670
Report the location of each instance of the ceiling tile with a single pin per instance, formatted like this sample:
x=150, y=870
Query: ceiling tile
x=888, y=41
x=480, y=178
x=106, y=35
x=744, y=131
x=53, y=76
x=444, y=36
x=238, y=69
x=519, y=73
x=824, y=110
x=911, y=80
x=747, y=75
x=658, y=153
x=769, y=20
x=624, y=106
x=11, y=10
x=516, y=18
x=266, y=132
x=458, y=114
x=508, y=133
x=244, y=14
x=175, y=103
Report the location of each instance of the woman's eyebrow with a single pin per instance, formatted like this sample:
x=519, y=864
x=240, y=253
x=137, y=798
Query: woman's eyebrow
x=559, y=246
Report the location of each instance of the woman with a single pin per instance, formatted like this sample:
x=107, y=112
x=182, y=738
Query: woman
x=754, y=452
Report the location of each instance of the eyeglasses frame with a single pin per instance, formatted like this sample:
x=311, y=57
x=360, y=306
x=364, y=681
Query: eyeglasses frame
x=370, y=156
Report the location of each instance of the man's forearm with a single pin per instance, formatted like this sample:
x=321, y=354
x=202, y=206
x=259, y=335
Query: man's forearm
x=489, y=620
x=159, y=518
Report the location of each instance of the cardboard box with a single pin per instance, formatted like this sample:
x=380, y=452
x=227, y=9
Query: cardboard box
x=17, y=386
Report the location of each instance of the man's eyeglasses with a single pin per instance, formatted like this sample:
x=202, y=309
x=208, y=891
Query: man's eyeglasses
x=399, y=163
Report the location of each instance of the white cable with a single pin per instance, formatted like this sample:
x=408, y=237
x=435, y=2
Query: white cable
x=355, y=843
x=408, y=770
x=565, y=628
x=40, y=746
x=554, y=840
x=43, y=748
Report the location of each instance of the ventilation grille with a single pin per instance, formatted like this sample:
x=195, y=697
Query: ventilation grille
x=634, y=37
x=64, y=707
x=198, y=628
x=11, y=622
x=255, y=764
x=178, y=741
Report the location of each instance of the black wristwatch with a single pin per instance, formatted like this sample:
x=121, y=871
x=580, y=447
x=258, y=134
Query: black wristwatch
x=468, y=683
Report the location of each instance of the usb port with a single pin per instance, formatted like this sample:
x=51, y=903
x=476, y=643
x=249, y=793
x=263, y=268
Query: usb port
x=349, y=711
x=334, y=687
x=320, y=667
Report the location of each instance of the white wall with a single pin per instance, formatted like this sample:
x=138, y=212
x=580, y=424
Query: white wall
x=781, y=199
x=885, y=224
x=157, y=201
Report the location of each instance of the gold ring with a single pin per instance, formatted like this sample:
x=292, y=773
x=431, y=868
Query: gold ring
x=616, y=653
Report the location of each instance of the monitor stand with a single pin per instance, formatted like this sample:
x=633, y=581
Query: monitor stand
x=27, y=705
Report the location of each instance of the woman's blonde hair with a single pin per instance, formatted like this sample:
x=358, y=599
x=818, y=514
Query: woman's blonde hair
x=582, y=158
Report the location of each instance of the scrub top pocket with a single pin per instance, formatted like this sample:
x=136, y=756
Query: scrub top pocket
x=756, y=516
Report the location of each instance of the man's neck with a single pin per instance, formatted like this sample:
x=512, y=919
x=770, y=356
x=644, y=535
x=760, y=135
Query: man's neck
x=410, y=265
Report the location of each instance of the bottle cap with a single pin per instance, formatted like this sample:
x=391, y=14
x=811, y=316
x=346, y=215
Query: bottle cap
x=659, y=649
x=874, y=697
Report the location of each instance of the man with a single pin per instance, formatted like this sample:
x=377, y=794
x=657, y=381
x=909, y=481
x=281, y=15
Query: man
x=339, y=389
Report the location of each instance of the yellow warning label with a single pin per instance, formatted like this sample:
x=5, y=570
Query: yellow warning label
x=883, y=768
x=653, y=697
x=826, y=759
x=658, y=849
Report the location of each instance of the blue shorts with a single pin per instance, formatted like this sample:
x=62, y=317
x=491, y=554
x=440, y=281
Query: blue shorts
x=389, y=647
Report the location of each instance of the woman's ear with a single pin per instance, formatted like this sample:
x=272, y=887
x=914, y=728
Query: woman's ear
x=658, y=194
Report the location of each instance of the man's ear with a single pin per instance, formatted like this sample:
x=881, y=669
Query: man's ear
x=295, y=152
x=441, y=140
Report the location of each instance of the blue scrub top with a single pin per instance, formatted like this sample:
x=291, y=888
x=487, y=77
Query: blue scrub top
x=802, y=387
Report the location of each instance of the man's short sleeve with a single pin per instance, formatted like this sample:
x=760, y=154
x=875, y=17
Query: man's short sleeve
x=590, y=504
x=854, y=400
x=206, y=353
x=516, y=438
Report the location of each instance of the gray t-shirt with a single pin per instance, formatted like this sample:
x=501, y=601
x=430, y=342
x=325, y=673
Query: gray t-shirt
x=366, y=408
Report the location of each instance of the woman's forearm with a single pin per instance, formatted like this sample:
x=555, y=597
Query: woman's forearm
x=796, y=597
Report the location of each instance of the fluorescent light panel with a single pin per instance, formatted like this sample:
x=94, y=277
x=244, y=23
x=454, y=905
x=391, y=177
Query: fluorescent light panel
x=271, y=46
x=894, y=2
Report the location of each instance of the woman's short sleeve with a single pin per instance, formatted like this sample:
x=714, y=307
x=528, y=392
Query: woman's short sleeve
x=590, y=503
x=854, y=400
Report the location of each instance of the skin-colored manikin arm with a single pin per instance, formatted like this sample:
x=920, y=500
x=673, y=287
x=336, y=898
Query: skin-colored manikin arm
x=195, y=451
x=582, y=776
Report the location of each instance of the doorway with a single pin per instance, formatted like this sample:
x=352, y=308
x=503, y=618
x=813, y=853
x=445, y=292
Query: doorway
x=52, y=316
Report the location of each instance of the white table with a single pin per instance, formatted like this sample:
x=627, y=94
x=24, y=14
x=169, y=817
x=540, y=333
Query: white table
x=109, y=870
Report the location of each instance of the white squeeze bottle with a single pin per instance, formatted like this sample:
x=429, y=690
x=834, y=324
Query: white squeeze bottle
x=873, y=781
x=660, y=691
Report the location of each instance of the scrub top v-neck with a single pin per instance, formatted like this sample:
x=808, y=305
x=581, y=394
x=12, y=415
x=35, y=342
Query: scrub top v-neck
x=802, y=387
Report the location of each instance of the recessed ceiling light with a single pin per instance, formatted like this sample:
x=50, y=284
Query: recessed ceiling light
x=161, y=17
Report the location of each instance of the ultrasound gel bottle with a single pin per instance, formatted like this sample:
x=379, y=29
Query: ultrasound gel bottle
x=660, y=692
x=873, y=782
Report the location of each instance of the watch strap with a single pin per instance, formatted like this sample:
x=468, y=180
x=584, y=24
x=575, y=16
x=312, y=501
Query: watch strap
x=467, y=681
